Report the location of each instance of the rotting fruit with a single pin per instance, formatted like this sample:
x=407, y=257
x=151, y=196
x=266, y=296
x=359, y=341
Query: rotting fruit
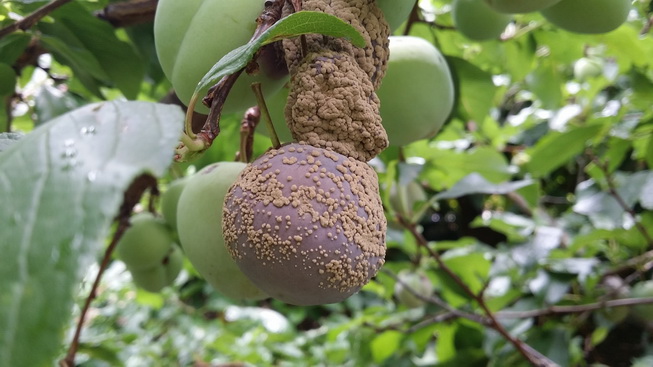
x=189, y=36
x=199, y=225
x=396, y=12
x=588, y=16
x=519, y=6
x=416, y=281
x=476, y=20
x=306, y=224
x=145, y=243
x=417, y=93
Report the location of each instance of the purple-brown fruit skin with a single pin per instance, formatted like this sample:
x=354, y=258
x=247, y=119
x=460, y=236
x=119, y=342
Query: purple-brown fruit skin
x=306, y=224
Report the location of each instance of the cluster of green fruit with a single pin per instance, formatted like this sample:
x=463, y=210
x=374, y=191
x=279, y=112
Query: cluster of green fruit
x=482, y=20
x=417, y=93
x=149, y=250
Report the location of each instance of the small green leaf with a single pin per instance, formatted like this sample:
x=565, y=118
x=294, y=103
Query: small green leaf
x=475, y=89
x=385, y=344
x=118, y=59
x=297, y=24
x=474, y=183
x=555, y=149
x=12, y=46
x=60, y=188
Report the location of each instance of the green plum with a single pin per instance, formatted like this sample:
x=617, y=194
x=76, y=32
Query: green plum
x=477, y=21
x=587, y=68
x=170, y=199
x=588, y=16
x=192, y=35
x=145, y=243
x=643, y=290
x=417, y=92
x=162, y=275
x=199, y=224
x=403, y=198
x=416, y=281
x=519, y=6
x=396, y=12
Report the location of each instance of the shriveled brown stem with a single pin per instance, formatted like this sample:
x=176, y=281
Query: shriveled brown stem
x=533, y=356
x=128, y=13
x=247, y=127
x=217, y=95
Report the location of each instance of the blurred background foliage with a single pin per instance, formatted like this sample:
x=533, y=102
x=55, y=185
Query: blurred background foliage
x=537, y=193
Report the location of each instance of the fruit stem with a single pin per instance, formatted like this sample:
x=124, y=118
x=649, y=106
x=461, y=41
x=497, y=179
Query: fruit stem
x=256, y=87
x=188, y=122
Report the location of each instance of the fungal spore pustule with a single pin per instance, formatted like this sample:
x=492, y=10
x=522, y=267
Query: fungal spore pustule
x=306, y=224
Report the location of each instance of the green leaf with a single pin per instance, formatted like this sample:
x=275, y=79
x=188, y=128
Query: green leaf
x=546, y=82
x=60, y=188
x=297, y=24
x=118, y=59
x=556, y=149
x=385, y=344
x=474, y=183
x=8, y=139
x=475, y=89
x=12, y=46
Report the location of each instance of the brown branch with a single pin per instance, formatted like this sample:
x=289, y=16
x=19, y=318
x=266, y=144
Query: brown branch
x=128, y=13
x=247, y=127
x=217, y=95
x=131, y=197
x=438, y=301
x=30, y=20
x=533, y=356
x=624, y=302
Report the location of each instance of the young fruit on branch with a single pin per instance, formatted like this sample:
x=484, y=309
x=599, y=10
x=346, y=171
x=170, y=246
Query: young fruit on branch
x=199, y=225
x=306, y=224
x=417, y=93
x=519, y=6
x=476, y=20
x=192, y=35
x=150, y=253
x=169, y=201
x=145, y=243
x=587, y=68
x=416, y=281
x=156, y=278
x=588, y=16
x=396, y=11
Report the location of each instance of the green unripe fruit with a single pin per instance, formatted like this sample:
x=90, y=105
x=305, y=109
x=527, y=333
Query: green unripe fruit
x=415, y=281
x=396, y=12
x=169, y=201
x=199, y=225
x=160, y=276
x=192, y=35
x=417, y=92
x=145, y=243
x=587, y=68
x=643, y=290
x=519, y=6
x=7, y=80
x=477, y=21
x=588, y=16
x=403, y=198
